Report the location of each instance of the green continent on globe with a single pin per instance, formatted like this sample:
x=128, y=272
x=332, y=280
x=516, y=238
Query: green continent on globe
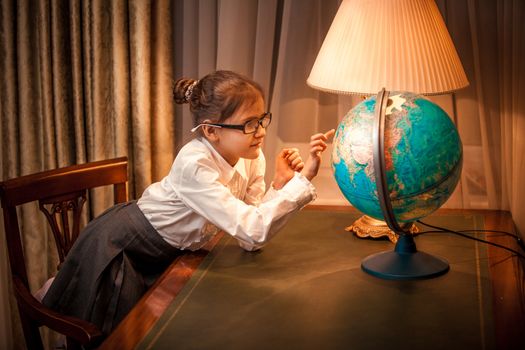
x=423, y=156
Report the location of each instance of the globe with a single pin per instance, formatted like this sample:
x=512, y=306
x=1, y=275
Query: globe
x=423, y=156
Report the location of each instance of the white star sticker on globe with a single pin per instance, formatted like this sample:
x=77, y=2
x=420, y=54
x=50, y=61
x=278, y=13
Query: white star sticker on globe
x=396, y=102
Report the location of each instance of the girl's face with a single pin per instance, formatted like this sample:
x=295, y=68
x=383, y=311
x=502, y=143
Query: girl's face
x=234, y=144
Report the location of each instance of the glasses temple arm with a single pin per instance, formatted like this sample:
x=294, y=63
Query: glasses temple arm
x=202, y=124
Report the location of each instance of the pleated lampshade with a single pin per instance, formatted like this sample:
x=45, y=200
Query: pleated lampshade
x=392, y=44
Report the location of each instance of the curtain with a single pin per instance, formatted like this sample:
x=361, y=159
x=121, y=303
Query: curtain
x=86, y=80
x=511, y=49
x=81, y=81
x=491, y=111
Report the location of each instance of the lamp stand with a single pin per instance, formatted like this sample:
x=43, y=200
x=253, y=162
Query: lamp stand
x=368, y=227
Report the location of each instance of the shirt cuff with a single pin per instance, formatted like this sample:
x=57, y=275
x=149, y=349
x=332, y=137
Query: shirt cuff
x=250, y=247
x=300, y=190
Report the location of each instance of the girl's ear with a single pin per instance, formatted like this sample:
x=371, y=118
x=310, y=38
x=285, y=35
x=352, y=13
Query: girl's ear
x=209, y=131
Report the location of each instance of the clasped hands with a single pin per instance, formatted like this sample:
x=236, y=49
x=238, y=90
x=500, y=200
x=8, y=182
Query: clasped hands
x=289, y=160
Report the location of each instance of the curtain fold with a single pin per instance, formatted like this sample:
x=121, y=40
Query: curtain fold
x=195, y=52
x=485, y=82
x=299, y=110
x=510, y=21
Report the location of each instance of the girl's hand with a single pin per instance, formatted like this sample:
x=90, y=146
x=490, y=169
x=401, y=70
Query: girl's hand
x=317, y=147
x=287, y=163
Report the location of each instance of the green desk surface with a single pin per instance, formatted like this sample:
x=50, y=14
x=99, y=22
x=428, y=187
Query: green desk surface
x=306, y=290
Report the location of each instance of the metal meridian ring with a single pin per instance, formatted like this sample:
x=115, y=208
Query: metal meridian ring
x=380, y=164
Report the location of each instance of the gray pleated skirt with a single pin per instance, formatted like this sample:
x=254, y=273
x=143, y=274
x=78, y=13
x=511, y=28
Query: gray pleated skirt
x=116, y=258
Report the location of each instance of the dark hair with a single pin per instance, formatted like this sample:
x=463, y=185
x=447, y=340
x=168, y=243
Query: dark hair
x=217, y=96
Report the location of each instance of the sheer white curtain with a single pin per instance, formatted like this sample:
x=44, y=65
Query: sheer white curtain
x=511, y=48
x=229, y=34
x=301, y=111
x=490, y=38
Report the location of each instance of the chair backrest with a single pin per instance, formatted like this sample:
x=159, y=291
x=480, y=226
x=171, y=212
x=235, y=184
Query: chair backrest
x=61, y=194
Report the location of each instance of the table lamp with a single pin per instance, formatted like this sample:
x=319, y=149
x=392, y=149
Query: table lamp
x=380, y=46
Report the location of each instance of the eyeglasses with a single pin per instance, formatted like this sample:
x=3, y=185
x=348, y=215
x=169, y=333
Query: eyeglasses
x=250, y=127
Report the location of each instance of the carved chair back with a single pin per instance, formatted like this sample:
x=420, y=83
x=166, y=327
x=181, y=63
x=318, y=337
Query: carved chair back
x=61, y=194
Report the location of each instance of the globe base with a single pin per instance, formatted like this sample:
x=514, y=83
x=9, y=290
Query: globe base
x=368, y=227
x=404, y=263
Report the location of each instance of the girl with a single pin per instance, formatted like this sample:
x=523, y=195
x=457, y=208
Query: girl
x=216, y=183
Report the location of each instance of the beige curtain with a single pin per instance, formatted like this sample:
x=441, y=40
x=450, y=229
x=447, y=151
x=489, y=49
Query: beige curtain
x=85, y=80
x=81, y=81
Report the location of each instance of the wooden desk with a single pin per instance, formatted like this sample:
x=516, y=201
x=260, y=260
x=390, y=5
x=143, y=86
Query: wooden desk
x=506, y=272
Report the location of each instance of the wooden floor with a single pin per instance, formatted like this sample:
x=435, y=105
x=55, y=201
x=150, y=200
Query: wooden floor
x=507, y=275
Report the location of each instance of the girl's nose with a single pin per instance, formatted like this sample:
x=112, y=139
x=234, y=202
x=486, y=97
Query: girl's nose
x=261, y=132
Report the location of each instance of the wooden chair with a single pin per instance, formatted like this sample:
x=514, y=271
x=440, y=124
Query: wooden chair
x=61, y=194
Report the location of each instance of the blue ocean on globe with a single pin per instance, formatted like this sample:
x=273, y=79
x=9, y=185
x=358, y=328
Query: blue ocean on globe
x=423, y=155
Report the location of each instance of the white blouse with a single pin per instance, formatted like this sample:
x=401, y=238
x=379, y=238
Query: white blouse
x=203, y=193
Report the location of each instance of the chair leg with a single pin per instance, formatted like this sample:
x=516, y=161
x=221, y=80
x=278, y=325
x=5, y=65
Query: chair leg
x=72, y=344
x=31, y=334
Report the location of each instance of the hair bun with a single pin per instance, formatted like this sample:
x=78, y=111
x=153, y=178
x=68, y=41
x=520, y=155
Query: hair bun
x=183, y=89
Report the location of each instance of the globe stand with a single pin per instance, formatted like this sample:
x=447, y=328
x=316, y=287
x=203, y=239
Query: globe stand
x=405, y=262
x=368, y=227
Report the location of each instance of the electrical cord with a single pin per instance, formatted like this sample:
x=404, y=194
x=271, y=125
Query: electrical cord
x=516, y=237
x=463, y=234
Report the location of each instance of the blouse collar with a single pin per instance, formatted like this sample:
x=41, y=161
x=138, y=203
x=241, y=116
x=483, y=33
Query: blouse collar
x=226, y=171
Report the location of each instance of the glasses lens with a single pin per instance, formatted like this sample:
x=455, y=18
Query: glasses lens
x=251, y=126
x=266, y=120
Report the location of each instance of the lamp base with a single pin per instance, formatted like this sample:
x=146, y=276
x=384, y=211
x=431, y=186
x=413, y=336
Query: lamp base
x=366, y=226
x=404, y=263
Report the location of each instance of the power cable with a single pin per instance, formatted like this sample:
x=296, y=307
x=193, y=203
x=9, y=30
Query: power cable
x=463, y=234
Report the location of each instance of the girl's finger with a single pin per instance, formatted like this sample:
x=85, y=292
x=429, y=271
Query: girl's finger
x=317, y=142
x=296, y=161
x=317, y=137
x=293, y=156
x=283, y=153
x=297, y=165
x=317, y=150
x=329, y=133
x=292, y=152
x=323, y=136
